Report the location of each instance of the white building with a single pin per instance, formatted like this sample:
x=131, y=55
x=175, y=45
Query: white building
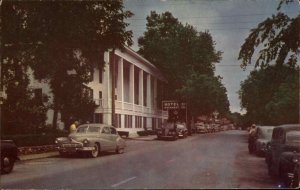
x=138, y=92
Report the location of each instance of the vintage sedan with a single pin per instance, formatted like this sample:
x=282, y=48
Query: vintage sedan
x=201, y=128
x=284, y=154
x=182, y=130
x=91, y=139
x=9, y=154
x=263, y=136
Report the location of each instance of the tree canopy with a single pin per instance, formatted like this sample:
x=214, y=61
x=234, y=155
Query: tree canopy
x=56, y=38
x=271, y=95
x=186, y=57
x=277, y=39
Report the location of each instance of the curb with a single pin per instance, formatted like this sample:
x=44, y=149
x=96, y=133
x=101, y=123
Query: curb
x=146, y=138
x=38, y=156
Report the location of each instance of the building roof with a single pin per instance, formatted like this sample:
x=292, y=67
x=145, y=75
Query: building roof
x=144, y=61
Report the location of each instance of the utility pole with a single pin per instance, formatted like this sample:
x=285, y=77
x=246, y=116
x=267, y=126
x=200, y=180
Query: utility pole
x=113, y=79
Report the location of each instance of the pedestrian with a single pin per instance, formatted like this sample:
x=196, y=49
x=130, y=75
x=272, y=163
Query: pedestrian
x=73, y=127
x=252, y=139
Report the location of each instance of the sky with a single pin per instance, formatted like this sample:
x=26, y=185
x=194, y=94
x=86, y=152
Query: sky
x=228, y=21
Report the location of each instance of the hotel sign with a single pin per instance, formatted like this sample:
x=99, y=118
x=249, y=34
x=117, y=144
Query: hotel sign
x=171, y=104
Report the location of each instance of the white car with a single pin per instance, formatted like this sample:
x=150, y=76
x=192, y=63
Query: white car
x=92, y=139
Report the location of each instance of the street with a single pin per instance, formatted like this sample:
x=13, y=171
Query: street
x=216, y=160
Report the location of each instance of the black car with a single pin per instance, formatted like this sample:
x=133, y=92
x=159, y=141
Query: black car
x=9, y=154
x=172, y=130
x=283, y=155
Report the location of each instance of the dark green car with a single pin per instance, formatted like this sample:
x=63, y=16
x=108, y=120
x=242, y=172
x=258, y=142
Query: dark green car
x=283, y=156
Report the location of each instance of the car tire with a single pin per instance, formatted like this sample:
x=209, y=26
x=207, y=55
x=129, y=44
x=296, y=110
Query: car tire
x=175, y=137
x=120, y=150
x=95, y=153
x=295, y=182
x=7, y=164
x=270, y=172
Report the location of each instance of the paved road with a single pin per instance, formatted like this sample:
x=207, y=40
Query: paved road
x=218, y=160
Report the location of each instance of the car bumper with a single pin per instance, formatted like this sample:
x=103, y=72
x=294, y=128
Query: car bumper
x=75, y=149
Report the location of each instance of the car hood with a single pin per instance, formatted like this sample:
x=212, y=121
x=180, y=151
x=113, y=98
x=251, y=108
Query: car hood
x=76, y=137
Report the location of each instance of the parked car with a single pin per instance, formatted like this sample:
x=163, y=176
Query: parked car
x=208, y=128
x=263, y=136
x=284, y=154
x=91, y=139
x=172, y=130
x=182, y=130
x=9, y=154
x=200, y=128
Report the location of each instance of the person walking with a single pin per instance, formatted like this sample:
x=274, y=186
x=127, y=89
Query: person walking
x=252, y=139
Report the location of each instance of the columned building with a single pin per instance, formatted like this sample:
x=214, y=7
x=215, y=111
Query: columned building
x=139, y=89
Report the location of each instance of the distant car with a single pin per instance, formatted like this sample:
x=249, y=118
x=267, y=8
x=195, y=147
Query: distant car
x=91, y=139
x=283, y=157
x=208, y=128
x=200, y=128
x=182, y=130
x=263, y=136
x=9, y=154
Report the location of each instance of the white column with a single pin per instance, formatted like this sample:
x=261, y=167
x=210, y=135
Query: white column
x=155, y=94
x=149, y=91
x=120, y=88
x=131, y=89
x=107, y=88
x=141, y=91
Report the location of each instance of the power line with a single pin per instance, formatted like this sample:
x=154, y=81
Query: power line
x=207, y=17
x=246, y=22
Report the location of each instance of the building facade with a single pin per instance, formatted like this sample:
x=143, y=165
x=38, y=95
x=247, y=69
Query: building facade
x=139, y=90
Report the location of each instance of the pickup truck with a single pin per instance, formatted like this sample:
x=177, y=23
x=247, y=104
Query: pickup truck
x=9, y=154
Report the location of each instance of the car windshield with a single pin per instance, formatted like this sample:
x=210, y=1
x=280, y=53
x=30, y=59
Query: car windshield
x=293, y=137
x=88, y=129
x=265, y=133
x=168, y=125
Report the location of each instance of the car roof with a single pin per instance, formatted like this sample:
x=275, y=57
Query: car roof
x=289, y=127
x=94, y=125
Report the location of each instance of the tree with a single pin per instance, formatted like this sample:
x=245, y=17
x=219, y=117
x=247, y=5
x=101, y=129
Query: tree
x=186, y=58
x=276, y=37
x=63, y=37
x=267, y=94
x=23, y=111
x=205, y=94
x=271, y=95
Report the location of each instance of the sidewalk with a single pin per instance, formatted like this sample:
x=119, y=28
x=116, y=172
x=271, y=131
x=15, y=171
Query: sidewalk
x=56, y=153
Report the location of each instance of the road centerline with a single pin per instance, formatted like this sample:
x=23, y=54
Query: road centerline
x=122, y=182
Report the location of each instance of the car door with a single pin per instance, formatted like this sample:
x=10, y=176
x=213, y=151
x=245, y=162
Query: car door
x=277, y=147
x=105, y=136
x=114, y=137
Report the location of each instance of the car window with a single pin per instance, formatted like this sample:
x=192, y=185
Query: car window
x=275, y=134
x=293, y=137
x=82, y=129
x=93, y=129
x=113, y=131
x=106, y=130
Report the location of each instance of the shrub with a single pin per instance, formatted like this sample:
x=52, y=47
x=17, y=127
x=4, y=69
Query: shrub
x=34, y=139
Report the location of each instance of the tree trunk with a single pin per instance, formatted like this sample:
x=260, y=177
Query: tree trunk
x=55, y=113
